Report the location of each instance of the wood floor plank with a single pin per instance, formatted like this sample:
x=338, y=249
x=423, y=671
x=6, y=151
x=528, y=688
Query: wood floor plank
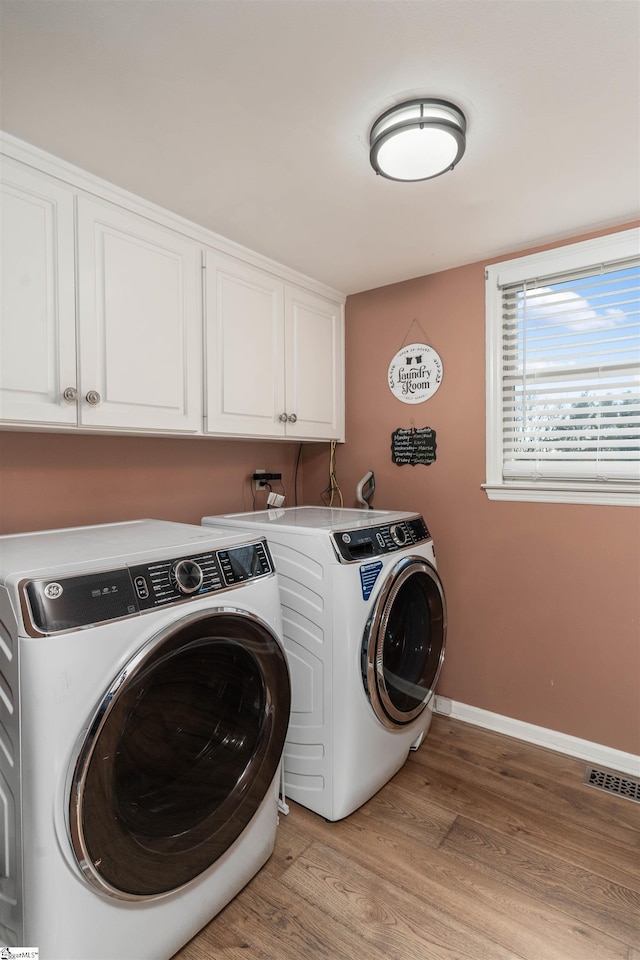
x=290, y=844
x=597, y=812
x=519, y=923
x=278, y=921
x=201, y=949
x=481, y=848
x=614, y=860
x=291, y=928
x=412, y=812
x=613, y=909
x=385, y=914
x=490, y=750
x=220, y=939
x=261, y=932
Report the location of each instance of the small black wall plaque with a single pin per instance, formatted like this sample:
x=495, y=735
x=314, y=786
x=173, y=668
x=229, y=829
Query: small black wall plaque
x=412, y=446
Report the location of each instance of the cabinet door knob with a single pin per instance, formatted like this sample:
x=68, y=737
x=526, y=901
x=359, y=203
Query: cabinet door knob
x=71, y=395
x=93, y=397
x=283, y=418
x=292, y=418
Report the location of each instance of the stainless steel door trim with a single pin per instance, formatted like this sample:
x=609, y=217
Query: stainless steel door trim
x=275, y=731
x=373, y=646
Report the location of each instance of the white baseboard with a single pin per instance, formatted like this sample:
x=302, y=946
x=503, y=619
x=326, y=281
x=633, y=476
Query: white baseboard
x=594, y=753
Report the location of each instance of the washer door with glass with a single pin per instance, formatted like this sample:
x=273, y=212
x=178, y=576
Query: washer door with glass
x=404, y=642
x=180, y=754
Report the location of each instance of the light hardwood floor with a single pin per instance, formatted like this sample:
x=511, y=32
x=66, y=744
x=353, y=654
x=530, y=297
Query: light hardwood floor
x=481, y=848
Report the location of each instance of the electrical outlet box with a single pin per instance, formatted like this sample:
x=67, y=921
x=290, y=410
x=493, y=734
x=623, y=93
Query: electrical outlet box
x=262, y=479
x=443, y=705
x=260, y=484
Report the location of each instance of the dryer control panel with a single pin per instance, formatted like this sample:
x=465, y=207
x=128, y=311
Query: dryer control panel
x=69, y=603
x=355, y=545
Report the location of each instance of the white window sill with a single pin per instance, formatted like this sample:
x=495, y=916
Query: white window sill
x=619, y=494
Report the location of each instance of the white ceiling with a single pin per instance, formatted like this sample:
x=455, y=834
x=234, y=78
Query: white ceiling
x=251, y=117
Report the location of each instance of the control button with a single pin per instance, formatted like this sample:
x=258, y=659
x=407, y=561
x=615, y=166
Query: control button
x=141, y=587
x=380, y=538
x=346, y=538
x=227, y=569
x=186, y=576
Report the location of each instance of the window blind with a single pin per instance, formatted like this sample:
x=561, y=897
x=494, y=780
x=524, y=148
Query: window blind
x=571, y=375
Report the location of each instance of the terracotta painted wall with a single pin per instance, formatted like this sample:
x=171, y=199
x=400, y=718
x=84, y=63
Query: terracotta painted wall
x=60, y=480
x=544, y=599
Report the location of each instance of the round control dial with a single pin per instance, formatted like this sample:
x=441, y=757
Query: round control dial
x=187, y=576
x=398, y=534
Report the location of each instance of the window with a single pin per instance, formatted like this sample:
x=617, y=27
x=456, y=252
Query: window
x=563, y=374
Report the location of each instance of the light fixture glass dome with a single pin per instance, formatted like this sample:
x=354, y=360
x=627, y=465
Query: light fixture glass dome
x=417, y=140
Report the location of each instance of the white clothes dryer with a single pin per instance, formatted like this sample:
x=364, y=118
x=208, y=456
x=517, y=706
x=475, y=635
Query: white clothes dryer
x=364, y=628
x=144, y=702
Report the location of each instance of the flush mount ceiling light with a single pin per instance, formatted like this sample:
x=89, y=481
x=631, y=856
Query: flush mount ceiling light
x=417, y=140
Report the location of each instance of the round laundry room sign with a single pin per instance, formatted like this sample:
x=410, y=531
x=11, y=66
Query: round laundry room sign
x=415, y=373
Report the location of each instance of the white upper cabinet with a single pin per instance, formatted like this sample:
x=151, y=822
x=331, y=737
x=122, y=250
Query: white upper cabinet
x=37, y=308
x=314, y=365
x=103, y=326
x=101, y=323
x=139, y=310
x=244, y=337
x=274, y=355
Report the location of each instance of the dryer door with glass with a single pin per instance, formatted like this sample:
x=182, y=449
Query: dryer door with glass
x=404, y=642
x=180, y=754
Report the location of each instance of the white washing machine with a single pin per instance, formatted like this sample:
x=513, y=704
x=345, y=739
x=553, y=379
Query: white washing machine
x=144, y=702
x=364, y=627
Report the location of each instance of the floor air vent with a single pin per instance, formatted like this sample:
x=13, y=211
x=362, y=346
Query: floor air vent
x=618, y=783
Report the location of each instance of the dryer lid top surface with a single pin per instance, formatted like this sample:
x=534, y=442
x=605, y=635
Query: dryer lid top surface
x=314, y=518
x=89, y=547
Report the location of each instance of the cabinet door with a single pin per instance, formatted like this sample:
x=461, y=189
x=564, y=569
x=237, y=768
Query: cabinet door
x=314, y=364
x=140, y=322
x=37, y=335
x=244, y=348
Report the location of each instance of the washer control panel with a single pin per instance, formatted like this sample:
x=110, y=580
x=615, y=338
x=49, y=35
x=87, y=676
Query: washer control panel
x=360, y=544
x=55, y=605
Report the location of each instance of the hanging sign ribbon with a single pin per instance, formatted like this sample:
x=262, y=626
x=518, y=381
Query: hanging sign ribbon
x=415, y=373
